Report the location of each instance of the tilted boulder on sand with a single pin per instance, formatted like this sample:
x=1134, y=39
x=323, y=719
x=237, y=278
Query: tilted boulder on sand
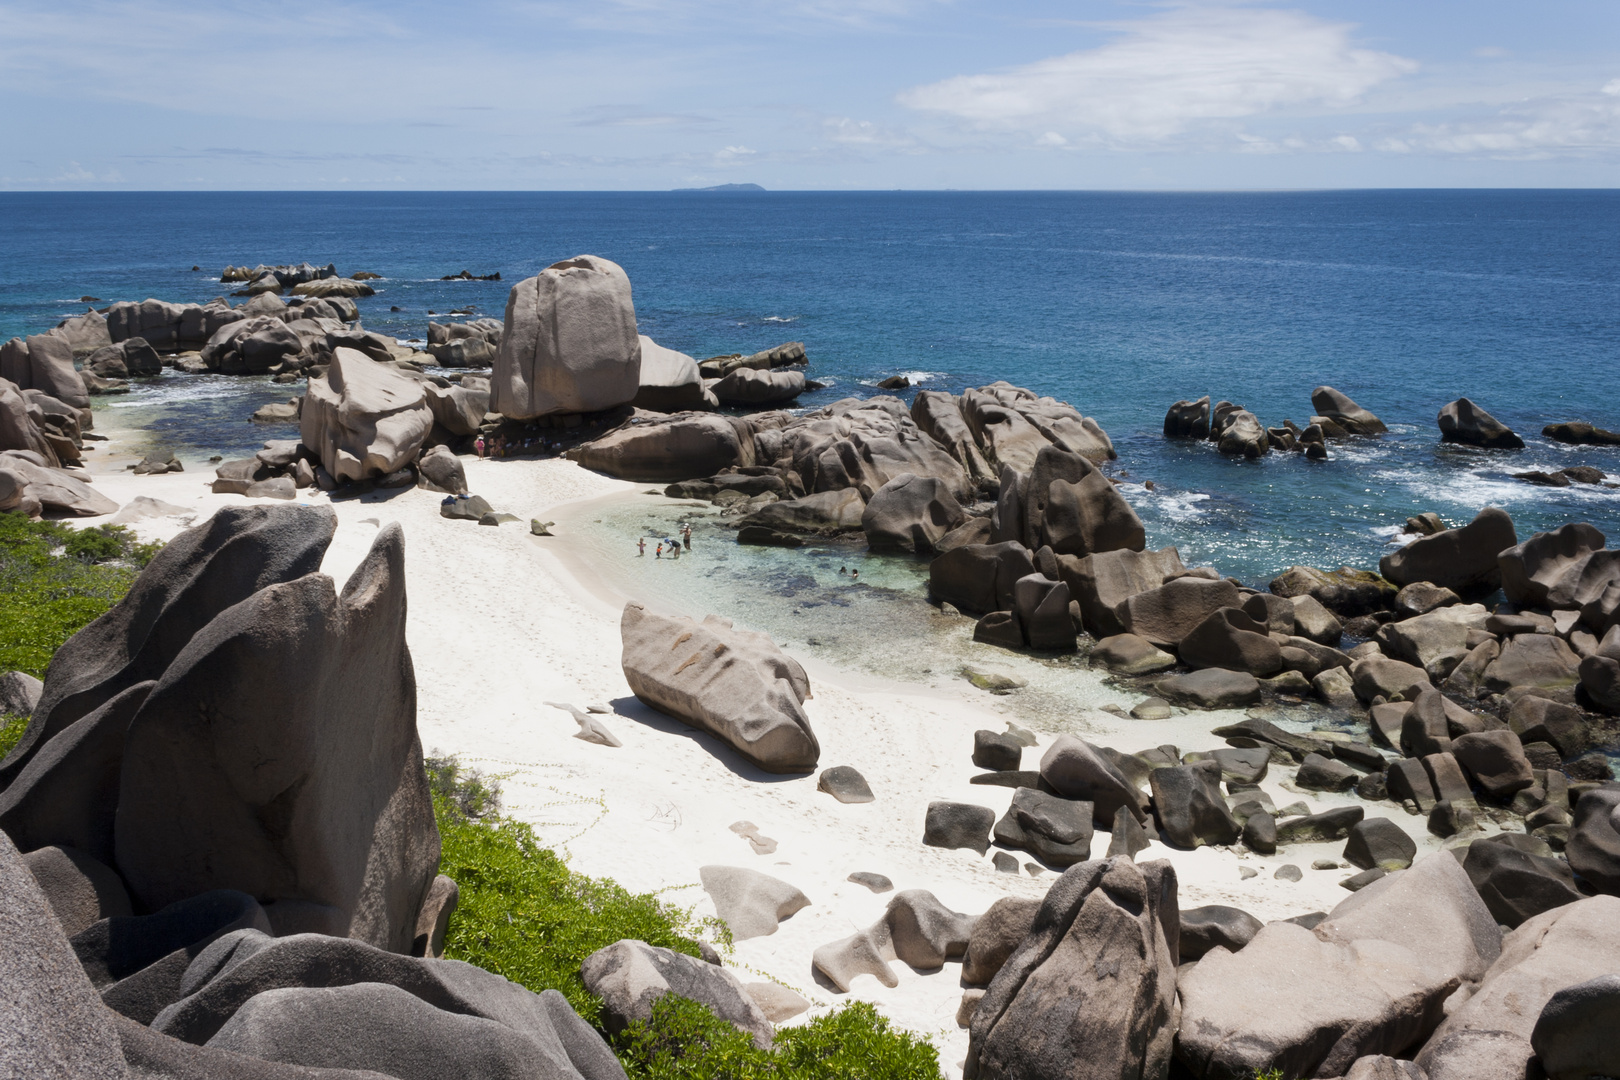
x=732, y=683
x=364, y=419
x=569, y=344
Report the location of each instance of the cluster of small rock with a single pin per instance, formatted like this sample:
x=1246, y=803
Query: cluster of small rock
x=302, y=279
x=45, y=420
x=1238, y=433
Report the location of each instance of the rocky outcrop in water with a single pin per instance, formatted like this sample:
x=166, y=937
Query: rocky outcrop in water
x=670, y=381
x=1463, y=422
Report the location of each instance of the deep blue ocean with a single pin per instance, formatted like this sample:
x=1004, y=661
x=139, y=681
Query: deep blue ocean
x=1117, y=303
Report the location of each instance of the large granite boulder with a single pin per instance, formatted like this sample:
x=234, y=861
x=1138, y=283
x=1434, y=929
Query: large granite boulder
x=915, y=927
x=1436, y=641
x=85, y=334
x=854, y=443
x=1533, y=569
x=939, y=415
x=824, y=513
x=1594, y=840
x=630, y=975
x=364, y=419
x=682, y=446
x=1539, y=660
x=1574, y=1035
x=1369, y=979
x=1241, y=435
x=747, y=386
x=1188, y=419
x=1087, y=517
x=1517, y=885
x=980, y=578
x=44, y=362
x=22, y=425
x=32, y=487
x=910, y=513
x=457, y=409
x=1230, y=638
x=1012, y=425
x=1463, y=560
x=1346, y=591
x=670, y=381
x=56, y=1026
x=293, y=710
x=1055, y=830
x=1100, y=583
x=1349, y=416
x=1488, y=1036
x=199, y=574
x=569, y=344
x=734, y=684
x=169, y=328
x=1075, y=769
x=1169, y=613
x=1091, y=992
x=1463, y=422
x=1188, y=803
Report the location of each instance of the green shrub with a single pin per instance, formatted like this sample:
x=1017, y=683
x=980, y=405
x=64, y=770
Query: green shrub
x=54, y=580
x=523, y=914
x=472, y=793
x=11, y=729
x=685, y=1041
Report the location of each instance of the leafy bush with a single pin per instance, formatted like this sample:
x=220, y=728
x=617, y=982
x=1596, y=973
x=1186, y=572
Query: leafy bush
x=11, y=729
x=525, y=915
x=472, y=793
x=54, y=580
x=685, y=1041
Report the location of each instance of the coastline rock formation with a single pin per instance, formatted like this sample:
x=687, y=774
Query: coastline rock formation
x=670, y=381
x=732, y=683
x=1092, y=989
x=364, y=419
x=569, y=342
x=1343, y=413
x=1462, y=421
x=472, y=344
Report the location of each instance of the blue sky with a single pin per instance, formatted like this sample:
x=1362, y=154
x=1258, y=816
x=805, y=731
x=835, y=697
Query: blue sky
x=808, y=94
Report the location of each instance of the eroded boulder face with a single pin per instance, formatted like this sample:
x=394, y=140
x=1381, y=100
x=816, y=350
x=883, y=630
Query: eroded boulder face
x=734, y=684
x=1188, y=419
x=1464, y=560
x=1346, y=414
x=169, y=328
x=630, y=975
x=569, y=343
x=670, y=381
x=291, y=710
x=750, y=386
x=364, y=419
x=199, y=574
x=910, y=513
x=44, y=362
x=1100, y=583
x=1012, y=425
x=1091, y=991
x=939, y=415
x=1369, y=979
x=664, y=448
x=30, y=487
x=1531, y=571
x=1488, y=1037
x=853, y=444
x=1463, y=422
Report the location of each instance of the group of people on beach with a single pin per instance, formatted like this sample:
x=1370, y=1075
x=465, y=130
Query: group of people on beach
x=499, y=446
x=669, y=544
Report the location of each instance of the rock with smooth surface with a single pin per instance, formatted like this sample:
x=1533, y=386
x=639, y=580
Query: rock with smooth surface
x=958, y=825
x=1215, y=925
x=749, y=902
x=1463, y=560
x=1077, y=770
x=1091, y=993
x=569, y=342
x=910, y=513
x=1190, y=809
x=1100, y=583
x=845, y=784
x=1211, y=688
x=364, y=419
x=1462, y=421
x=1516, y=885
x=1575, y=1034
x=1167, y=614
x=734, y=684
x=1594, y=840
x=1055, y=830
x=1379, y=843
x=669, y=381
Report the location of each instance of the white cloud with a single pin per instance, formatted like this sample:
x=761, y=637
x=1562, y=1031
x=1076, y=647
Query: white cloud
x=1167, y=74
x=1051, y=138
x=1564, y=125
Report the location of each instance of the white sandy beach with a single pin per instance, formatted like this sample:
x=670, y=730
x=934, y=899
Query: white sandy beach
x=502, y=622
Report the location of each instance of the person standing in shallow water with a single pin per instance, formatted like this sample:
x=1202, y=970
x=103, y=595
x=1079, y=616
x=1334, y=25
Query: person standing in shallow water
x=641, y=547
x=659, y=552
x=686, y=536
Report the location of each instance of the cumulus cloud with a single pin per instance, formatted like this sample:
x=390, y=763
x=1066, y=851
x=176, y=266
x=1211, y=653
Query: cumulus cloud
x=1562, y=125
x=1165, y=75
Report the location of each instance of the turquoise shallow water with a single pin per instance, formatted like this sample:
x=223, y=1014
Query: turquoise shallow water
x=1119, y=303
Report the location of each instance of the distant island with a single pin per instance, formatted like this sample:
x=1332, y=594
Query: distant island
x=723, y=187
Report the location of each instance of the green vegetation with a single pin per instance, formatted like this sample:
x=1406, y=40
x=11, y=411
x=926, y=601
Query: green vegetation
x=685, y=1041
x=523, y=914
x=55, y=579
x=11, y=729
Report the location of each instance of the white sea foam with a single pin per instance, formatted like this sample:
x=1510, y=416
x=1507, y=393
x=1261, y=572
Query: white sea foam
x=780, y=318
